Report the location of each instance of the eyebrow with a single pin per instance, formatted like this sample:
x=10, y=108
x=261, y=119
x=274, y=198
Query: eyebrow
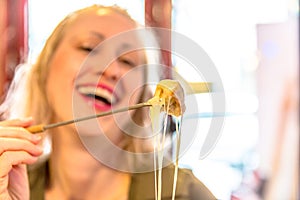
x=99, y=35
x=125, y=47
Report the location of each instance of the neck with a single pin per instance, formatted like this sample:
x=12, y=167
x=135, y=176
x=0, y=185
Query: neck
x=75, y=174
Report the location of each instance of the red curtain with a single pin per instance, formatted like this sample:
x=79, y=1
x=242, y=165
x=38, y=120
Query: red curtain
x=158, y=13
x=13, y=36
x=3, y=47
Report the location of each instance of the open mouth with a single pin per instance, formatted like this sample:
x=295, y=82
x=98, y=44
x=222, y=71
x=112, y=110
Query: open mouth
x=100, y=95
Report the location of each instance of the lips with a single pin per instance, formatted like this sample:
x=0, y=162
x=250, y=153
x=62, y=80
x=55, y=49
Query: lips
x=101, y=96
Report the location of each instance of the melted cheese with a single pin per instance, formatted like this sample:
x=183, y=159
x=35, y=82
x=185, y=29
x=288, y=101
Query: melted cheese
x=170, y=95
x=168, y=98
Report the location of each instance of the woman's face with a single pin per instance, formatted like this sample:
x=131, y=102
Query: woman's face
x=82, y=82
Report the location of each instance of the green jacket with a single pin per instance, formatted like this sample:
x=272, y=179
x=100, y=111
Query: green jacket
x=142, y=185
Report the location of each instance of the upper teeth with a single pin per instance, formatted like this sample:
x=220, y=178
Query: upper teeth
x=89, y=90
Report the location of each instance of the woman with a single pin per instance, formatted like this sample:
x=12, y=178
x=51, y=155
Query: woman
x=75, y=77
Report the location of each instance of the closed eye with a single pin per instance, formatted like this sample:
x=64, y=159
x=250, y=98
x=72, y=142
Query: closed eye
x=85, y=48
x=127, y=62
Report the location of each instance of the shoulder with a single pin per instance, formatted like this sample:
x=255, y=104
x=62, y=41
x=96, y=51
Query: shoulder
x=188, y=187
x=196, y=189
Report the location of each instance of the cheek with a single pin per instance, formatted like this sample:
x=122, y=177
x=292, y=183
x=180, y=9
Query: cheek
x=63, y=69
x=60, y=85
x=134, y=83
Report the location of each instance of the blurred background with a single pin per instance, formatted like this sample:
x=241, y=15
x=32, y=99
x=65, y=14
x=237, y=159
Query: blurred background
x=254, y=46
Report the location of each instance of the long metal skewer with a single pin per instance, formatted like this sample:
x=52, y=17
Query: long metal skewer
x=41, y=127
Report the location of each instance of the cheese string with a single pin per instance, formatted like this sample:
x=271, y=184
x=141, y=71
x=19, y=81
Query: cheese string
x=161, y=149
x=163, y=97
x=159, y=142
x=155, y=113
x=178, y=139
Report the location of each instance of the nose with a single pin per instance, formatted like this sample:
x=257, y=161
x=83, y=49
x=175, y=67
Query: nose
x=113, y=71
